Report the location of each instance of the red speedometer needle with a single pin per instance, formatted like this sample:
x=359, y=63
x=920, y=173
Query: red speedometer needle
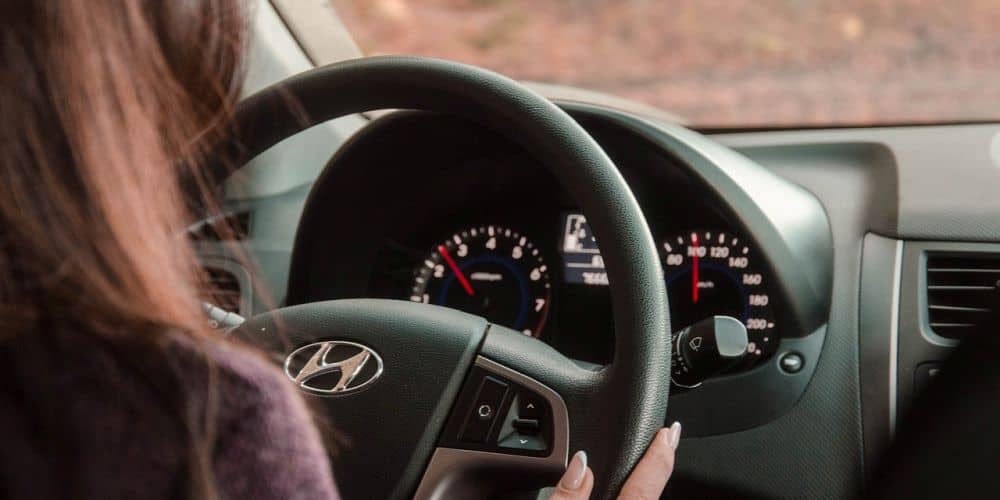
x=458, y=272
x=694, y=269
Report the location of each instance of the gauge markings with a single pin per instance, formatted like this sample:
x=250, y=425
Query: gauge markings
x=491, y=271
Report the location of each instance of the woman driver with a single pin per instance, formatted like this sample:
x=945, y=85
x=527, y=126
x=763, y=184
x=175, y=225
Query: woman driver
x=110, y=385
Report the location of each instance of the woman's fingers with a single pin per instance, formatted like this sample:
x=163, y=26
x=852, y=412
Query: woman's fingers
x=652, y=472
x=577, y=481
x=646, y=481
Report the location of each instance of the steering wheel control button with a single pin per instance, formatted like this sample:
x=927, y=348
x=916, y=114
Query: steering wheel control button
x=476, y=430
x=527, y=426
x=792, y=362
x=484, y=410
x=524, y=442
x=497, y=415
x=530, y=406
x=491, y=392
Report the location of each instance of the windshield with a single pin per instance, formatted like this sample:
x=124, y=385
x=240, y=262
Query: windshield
x=721, y=63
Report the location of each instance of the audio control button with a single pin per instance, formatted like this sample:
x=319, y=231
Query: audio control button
x=483, y=413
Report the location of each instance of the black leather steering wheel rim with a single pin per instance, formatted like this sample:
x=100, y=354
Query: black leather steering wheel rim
x=633, y=389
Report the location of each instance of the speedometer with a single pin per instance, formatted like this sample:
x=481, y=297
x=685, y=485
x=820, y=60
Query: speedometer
x=714, y=273
x=491, y=271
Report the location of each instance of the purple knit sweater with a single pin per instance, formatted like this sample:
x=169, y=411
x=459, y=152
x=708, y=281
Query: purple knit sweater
x=94, y=427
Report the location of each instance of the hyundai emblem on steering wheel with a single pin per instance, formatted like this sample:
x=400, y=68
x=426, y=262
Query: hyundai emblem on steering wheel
x=333, y=368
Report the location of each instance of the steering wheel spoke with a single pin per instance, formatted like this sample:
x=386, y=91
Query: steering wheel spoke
x=465, y=405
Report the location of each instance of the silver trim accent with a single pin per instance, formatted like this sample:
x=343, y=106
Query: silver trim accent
x=447, y=465
x=897, y=274
x=349, y=368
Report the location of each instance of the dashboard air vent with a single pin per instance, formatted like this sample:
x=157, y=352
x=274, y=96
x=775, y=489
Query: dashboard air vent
x=223, y=289
x=963, y=293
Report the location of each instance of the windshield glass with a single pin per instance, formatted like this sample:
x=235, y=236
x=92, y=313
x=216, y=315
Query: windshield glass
x=721, y=63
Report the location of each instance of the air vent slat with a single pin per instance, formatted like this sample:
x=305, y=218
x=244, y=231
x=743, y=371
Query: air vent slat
x=223, y=289
x=958, y=308
x=957, y=270
x=959, y=287
x=963, y=293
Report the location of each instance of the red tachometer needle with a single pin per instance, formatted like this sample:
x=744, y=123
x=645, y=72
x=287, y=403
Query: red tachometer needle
x=694, y=269
x=458, y=272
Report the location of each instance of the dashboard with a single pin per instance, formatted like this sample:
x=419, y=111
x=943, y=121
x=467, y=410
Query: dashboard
x=432, y=208
x=890, y=201
x=837, y=224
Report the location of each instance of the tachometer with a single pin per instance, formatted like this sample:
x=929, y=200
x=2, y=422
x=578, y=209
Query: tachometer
x=714, y=273
x=491, y=271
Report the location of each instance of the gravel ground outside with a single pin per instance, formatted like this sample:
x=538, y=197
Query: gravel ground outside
x=721, y=63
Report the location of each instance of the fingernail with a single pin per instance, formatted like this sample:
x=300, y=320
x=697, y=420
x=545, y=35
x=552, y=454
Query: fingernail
x=575, y=472
x=675, y=434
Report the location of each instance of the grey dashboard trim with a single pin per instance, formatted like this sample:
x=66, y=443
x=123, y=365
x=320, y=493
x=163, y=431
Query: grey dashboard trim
x=442, y=478
x=878, y=334
x=947, y=174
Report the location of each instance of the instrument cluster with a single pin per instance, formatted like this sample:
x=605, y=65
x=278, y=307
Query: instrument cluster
x=434, y=209
x=498, y=272
x=482, y=227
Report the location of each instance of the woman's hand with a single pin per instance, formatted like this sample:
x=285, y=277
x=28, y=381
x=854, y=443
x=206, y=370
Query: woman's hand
x=646, y=481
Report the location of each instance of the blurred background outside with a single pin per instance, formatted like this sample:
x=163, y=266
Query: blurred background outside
x=721, y=63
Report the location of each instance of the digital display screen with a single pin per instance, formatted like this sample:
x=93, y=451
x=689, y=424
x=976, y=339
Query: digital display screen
x=582, y=261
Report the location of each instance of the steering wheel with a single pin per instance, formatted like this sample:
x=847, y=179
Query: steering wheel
x=434, y=402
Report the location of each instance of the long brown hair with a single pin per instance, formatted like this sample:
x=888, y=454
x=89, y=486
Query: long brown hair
x=108, y=108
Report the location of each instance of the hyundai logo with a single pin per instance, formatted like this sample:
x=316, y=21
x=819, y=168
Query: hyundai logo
x=333, y=367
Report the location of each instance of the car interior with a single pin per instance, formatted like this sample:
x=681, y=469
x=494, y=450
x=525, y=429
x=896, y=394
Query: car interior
x=538, y=268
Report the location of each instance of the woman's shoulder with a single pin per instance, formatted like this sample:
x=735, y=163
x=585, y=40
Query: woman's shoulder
x=249, y=373
x=242, y=380
x=268, y=445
